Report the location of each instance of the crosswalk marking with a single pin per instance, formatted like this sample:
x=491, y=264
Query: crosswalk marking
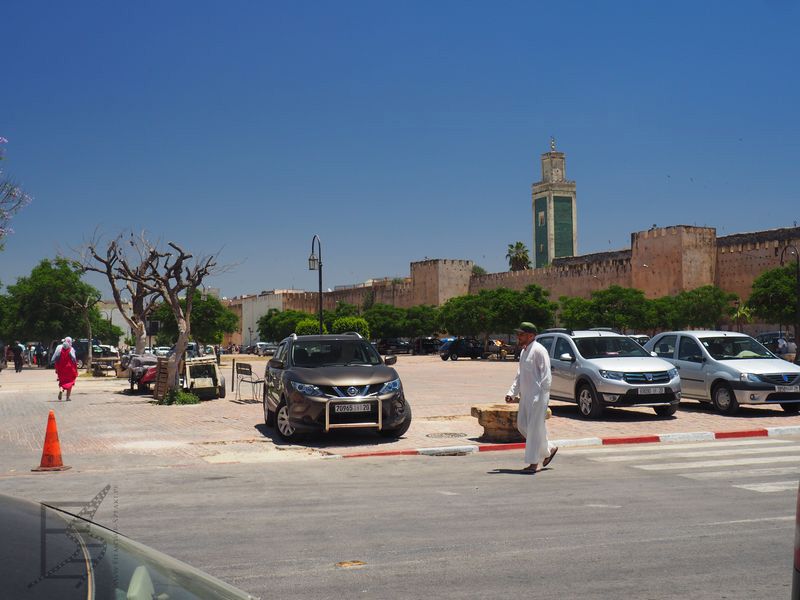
x=702, y=464
x=705, y=454
x=770, y=486
x=742, y=473
x=677, y=446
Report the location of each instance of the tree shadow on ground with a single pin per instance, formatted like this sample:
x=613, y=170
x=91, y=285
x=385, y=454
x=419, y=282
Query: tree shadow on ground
x=332, y=439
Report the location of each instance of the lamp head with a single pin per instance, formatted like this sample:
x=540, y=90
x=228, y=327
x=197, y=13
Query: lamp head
x=313, y=262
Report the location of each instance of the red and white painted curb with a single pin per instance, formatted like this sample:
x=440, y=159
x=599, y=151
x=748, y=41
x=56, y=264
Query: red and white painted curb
x=664, y=438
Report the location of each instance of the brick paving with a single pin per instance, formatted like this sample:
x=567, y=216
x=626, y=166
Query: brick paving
x=106, y=425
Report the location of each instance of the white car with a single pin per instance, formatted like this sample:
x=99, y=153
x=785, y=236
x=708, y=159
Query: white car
x=728, y=369
x=598, y=369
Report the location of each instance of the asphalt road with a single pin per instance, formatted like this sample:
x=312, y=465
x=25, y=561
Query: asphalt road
x=708, y=520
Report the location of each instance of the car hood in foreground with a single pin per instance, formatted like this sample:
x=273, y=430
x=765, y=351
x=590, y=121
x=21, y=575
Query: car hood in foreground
x=632, y=364
x=354, y=375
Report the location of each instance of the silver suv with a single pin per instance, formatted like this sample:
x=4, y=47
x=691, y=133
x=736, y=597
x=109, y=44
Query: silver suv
x=728, y=369
x=598, y=369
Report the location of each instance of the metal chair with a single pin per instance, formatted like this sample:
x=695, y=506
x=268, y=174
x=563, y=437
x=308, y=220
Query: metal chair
x=244, y=374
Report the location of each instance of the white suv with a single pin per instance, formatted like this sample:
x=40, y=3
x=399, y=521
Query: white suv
x=598, y=369
x=728, y=369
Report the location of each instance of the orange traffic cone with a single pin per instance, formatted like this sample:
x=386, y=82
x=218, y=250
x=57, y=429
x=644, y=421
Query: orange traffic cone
x=51, y=454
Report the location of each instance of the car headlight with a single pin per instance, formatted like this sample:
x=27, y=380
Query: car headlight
x=391, y=386
x=672, y=373
x=307, y=389
x=617, y=375
x=751, y=377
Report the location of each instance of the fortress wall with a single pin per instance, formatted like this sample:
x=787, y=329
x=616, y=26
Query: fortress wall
x=572, y=276
x=742, y=257
x=435, y=281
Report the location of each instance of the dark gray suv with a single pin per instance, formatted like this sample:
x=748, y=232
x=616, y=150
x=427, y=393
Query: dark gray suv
x=316, y=383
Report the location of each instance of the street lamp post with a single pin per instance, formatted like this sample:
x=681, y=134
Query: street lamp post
x=315, y=264
x=797, y=287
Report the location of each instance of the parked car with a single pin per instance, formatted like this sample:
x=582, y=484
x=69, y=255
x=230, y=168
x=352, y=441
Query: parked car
x=462, y=348
x=770, y=339
x=598, y=369
x=727, y=369
x=393, y=346
x=425, y=345
x=318, y=383
x=639, y=338
x=81, y=348
x=265, y=348
x=84, y=560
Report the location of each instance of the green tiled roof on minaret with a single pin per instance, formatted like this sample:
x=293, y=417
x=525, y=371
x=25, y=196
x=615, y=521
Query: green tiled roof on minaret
x=555, y=228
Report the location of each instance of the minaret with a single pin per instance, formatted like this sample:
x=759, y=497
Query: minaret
x=555, y=228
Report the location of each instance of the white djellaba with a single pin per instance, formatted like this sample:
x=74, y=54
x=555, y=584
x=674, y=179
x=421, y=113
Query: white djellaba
x=532, y=385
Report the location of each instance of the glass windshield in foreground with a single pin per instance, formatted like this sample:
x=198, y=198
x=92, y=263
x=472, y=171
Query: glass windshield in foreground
x=324, y=353
x=734, y=348
x=609, y=347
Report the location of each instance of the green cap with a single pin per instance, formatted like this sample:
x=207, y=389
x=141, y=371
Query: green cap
x=526, y=327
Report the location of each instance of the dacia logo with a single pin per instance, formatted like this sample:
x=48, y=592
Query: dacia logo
x=648, y=376
x=352, y=391
x=786, y=378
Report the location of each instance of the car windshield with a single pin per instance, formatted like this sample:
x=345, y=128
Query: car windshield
x=327, y=353
x=735, y=348
x=608, y=347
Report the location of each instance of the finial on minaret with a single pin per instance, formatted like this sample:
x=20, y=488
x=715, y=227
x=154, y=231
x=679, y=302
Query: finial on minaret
x=552, y=144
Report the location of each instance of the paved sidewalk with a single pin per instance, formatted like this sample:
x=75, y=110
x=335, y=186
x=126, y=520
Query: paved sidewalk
x=105, y=426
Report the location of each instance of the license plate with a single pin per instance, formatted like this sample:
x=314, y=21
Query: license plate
x=787, y=388
x=651, y=390
x=351, y=408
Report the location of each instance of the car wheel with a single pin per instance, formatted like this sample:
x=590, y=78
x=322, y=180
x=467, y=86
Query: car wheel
x=398, y=432
x=666, y=411
x=454, y=356
x=588, y=404
x=443, y=356
x=282, y=424
x=221, y=392
x=724, y=400
x=790, y=407
x=269, y=416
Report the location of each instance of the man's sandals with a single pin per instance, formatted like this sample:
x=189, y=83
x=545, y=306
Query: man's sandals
x=547, y=460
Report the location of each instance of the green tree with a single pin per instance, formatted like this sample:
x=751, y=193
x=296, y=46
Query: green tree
x=276, y=324
x=421, y=320
x=774, y=295
x=385, y=321
x=663, y=314
x=621, y=308
x=466, y=315
x=478, y=270
x=309, y=327
x=50, y=303
x=518, y=257
x=357, y=324
x=705, y=307
x=576, y=313
x=210, y=319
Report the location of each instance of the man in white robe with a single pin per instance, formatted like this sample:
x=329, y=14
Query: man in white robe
x=532, y=386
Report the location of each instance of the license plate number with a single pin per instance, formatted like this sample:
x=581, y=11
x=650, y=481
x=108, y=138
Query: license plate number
x=787, y=388
x=351, y=408
x=651, y=390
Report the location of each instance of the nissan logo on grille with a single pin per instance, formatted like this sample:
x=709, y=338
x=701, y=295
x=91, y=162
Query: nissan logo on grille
x=352, y=391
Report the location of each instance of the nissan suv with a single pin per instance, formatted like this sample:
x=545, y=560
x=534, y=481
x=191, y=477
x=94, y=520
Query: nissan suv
x=599, y=369
x=316, y=383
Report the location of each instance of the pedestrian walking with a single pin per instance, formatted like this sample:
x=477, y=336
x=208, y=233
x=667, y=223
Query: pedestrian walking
x=791, y=350
x=17, y=350
x=66, y=367
x=532, y=387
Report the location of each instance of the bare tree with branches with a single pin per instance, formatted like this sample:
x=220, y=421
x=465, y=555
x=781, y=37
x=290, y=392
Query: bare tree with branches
x=169, y=275
x=142, y=300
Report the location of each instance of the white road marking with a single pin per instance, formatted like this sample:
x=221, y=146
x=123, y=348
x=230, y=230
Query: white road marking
x=719, y=463
x=762, y=520
x=770, y=486
x=736, y=473
x=705, y=454
x=443, y=493
x=656, y=447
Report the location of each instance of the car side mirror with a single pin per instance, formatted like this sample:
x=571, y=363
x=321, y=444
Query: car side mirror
x=276, y=363
x=567, y=357
x=390, y=359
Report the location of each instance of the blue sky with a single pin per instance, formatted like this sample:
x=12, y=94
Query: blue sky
x=395, y=131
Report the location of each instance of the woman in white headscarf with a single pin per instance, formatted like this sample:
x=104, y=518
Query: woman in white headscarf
x=66, y=366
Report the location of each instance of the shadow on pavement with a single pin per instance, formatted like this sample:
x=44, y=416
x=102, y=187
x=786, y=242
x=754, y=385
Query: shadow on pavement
x=332, y=439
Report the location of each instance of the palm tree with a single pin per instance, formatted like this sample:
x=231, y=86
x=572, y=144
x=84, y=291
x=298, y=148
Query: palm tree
x=742, y=313
x=517, y=255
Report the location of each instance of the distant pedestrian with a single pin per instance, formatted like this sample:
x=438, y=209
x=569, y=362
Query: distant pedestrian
x=532, y=385
x=791, y=350
x=66, y=366
x=17, y=350
x=40, y=355
x=782, y=346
